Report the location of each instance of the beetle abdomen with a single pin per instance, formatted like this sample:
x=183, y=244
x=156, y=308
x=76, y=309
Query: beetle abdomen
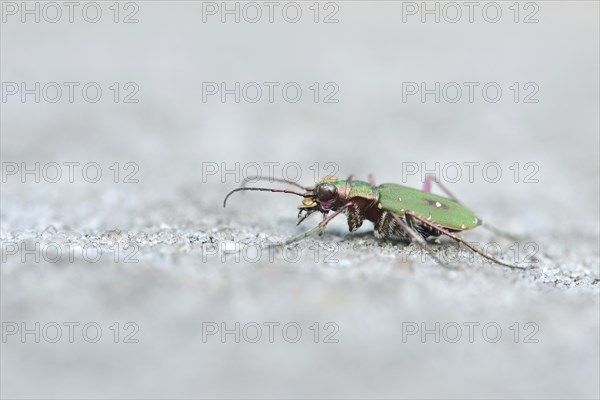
x=386, y=227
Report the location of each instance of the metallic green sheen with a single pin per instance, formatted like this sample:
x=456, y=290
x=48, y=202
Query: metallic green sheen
x=398, y=199
x=357, y=189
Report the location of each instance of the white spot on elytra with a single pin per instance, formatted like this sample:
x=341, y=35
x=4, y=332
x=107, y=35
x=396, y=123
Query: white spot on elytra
x=438, y=204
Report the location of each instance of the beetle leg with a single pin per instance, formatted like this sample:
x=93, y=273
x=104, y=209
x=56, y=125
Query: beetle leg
x=415, y=236
x=324, y=217
x=433, y=178
x=487, y=225
x=307, y=214
x=460, y=240
x=371, y=179
x=355, y=217
x=497, y=231
x=320, y=227
x=409, y=230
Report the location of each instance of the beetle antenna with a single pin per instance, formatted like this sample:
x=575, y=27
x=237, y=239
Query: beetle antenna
x=271, y=179
x=264, y=190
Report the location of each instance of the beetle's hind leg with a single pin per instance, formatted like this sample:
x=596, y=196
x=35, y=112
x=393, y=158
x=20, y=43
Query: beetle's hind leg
x=424, y=230
x=495, y=230
x=464, y=242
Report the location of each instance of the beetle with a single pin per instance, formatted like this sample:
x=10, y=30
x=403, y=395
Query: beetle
x=397, y=212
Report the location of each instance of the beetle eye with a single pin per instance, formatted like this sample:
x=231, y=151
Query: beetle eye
x=326, y=191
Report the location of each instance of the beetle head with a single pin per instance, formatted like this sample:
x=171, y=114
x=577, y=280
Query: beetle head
x=323, y=197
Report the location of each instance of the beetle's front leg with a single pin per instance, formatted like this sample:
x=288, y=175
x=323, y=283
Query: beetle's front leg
x=318, y=228
x=324, y=218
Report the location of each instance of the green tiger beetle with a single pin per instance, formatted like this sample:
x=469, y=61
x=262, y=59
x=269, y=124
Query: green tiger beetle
x=398, y=212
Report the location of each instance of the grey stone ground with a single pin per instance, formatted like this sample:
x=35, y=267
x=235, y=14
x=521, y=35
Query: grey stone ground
x=372, y=291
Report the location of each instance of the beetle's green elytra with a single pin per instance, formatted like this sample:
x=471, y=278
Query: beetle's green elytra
x=397, y=212
x=437, y=209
